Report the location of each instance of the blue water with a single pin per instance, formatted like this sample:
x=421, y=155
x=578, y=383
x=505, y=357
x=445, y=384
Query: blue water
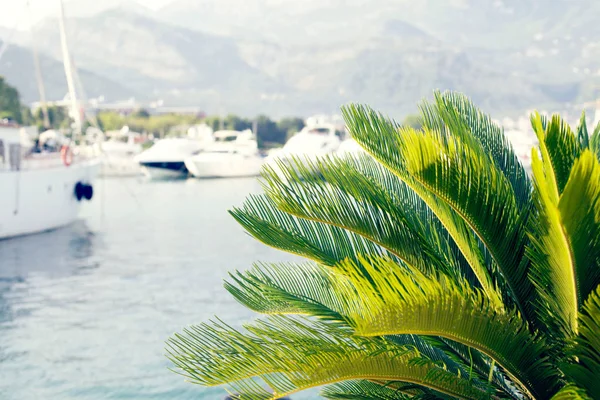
x=85, y=310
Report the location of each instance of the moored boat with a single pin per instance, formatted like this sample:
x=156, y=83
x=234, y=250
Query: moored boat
x=166, y=158
x=41, y=190
x=233, y=154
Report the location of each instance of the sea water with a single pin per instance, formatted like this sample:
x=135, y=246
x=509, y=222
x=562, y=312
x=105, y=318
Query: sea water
x=85, y=310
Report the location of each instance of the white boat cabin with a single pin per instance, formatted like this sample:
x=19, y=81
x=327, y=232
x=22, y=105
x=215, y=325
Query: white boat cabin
x=228, y=141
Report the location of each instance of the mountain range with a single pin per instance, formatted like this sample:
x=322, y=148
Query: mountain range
x=284, y=57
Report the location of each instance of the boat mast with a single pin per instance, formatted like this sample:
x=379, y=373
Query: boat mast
x=79, y=86
x=38, y=72
x=69, y=71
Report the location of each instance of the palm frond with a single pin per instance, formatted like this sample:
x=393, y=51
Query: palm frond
x=585, y=366
x=392, y=301
x=290, y=289
x=292, y=354
x=322, y=243
x=382, y=138
x=474, y=363
x=475, y=188
x=435, y=354
x=310, y=289
x=571, y=392
x=559, y=148
x=595, y=141
x=367, y=390
x=583, y=137
x=461, y=117
x=392, y=217
x=565, y=241
x=579, y=208
x=437, y=268
x=464, y=253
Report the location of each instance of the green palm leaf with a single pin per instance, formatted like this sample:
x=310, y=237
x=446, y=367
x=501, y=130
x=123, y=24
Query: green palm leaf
x=571, y=392
x=367, y=390
x=311, y=289
x=388, y=216
x=322, y=243
x=559, y=148
x=289, y=355
x=457, y=113
x=437, y=269
x=583, y=371
x=385, y=300
x=583, y=137
x=474, y=363
x=382, y=139
x=565, y=240
x=466, y=252
x=290, y=289
x=475, y=189
x=595, y=141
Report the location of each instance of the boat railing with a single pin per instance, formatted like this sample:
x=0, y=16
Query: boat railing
x=40, y=161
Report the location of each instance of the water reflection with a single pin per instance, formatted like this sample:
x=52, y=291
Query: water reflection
x=31, y=254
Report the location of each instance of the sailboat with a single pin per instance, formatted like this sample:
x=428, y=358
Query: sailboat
x=43, y=187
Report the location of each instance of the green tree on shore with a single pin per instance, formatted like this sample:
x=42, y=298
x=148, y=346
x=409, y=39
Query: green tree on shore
x=237, y=123
x=10, y=102
x=437, y=268
x=141, y=113
x=290, y=126
x=270, y=132
x=57, y=116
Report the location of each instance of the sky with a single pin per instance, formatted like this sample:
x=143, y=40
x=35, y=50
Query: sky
x=14, y=15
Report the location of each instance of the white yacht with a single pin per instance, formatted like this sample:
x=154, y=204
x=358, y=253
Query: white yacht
x=311, y=142
x=233, y=154
x=166, y=158
x=41, y=189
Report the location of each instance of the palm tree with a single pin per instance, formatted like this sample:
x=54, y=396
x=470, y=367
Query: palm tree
x=438, y=268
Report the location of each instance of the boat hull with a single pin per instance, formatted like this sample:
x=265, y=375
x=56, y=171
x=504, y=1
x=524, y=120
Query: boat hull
x=235, y=166
x=120, y=167
x=165, y=170
x=39, y=200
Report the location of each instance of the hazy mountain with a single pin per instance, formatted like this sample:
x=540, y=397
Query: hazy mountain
x=516, y=54
x=281, y=21
x=490, y=24
x=159, y=60
x=301, y=57
x=89, y=8
x=17, y=66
